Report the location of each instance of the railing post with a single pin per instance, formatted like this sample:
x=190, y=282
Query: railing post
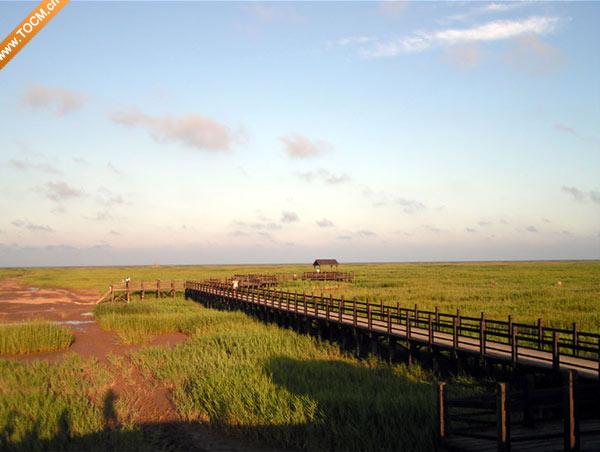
x=454, y=335
x=355, y=315
x=157, y=288
x=555, y=351
x=482, y=335
x=510, y=328
x=389, y=322
x=571, y=421
x=540, y=328
x=441, y=410
x=416, y=315
x=575, y=340
x=304, y=303
x=369, y=317
x=341, y=309
x=514, y=347
x=437, y=318
x=408, y=325
x=503, y=418
x=429, y=332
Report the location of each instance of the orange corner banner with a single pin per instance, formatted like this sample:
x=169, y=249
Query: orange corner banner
x=28, y=28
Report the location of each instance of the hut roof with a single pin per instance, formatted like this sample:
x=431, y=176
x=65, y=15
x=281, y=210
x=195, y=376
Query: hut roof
x=320, y=262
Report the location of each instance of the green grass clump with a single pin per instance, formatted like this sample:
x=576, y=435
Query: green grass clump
x=31, y=337
x=275, y=386
x=63, y=406
x=139, y=321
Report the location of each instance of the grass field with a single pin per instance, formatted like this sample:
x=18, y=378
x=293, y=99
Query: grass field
x=30, y=337
x=263, y=383
x=62, y=406
x=560, y=292
x=275, y=386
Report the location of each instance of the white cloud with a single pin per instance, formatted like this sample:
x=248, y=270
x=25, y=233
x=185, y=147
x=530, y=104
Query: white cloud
x=532, y=55
x=325, y=223
x=576, y=193
x=32, y=227
x=322, y=175
x=59, y=191
x=61, y=101
x=496, y=30
x=289, y=217
x=301, y=147
x=27, y=165
x=193, y=130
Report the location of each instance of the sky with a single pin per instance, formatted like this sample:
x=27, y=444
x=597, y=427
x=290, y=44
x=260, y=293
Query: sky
x=243, y=132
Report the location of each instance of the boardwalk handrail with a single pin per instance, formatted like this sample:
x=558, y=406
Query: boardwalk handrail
x=493, y=416
x=522, y=343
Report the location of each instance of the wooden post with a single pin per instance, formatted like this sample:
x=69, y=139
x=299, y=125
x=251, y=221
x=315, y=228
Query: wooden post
x=127, y=294
x=389, y=322
x=482, y=335
x=510, y=328
x=441, y=410
x=369, y=317
x=575, y=340
x=173, y=289
x=514, y=347
x=341, y=312
x=503, y=418
x=408, y=325
x=142, y=290
x=555, y=351
x=437, y=318
x=416, y=315
x=454, y=335
x=304, y=303
x=157, y=288
x=355, y=316
x=458, y=320
x=540, y=328
x=571, y=421
x=429, y=332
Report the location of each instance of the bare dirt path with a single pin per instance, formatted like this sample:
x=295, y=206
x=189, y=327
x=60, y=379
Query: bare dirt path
x=148, y=401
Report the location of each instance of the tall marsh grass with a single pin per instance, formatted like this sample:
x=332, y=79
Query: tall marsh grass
x=275, y=386
x=31, y=337
x=139, y=321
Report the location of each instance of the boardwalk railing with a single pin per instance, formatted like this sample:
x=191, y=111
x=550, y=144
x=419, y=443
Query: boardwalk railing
x=526, y=344
x=255, y=280
x=543, y=417
x=126, y=290
x=328, y=276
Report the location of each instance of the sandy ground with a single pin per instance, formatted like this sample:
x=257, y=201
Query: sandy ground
x=149, y=399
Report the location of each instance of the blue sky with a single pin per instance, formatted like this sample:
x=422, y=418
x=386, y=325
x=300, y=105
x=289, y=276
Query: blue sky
x=194, y=132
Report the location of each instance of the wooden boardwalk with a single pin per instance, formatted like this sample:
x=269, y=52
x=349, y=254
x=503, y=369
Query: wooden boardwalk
x=564, y=418
x=518, y=344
